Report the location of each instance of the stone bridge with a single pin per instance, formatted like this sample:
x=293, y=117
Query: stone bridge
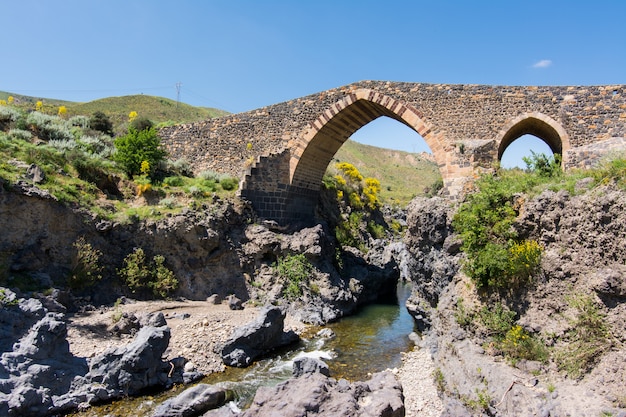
x=282, y=151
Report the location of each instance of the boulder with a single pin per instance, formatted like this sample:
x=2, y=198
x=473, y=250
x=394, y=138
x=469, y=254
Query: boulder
x=315, y=394
x=307, y=365
x=39, y=370
x=257, y=338
x=193, y=401
x=127, y=370
x=234, y=303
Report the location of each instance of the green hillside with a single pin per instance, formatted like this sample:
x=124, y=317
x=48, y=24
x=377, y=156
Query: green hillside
x=159, y=110
x=402, y=175
x=28, y=101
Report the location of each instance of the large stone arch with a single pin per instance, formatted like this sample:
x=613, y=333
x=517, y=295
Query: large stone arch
x=536, y=124
x=312, y=151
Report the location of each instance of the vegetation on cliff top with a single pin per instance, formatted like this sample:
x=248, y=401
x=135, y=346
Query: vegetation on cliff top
x=503, y=265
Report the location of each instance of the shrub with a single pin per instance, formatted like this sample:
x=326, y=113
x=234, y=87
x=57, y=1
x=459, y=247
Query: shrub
x=138, y=146
x=613, y=170
x=370, y=191
x=138, y=275
x=295, y=270
x=90, y=168
x=519, y=344
x=49, y=127
x=96, y=145
x=375, y=229
x=542, y=165
x=8, y=116
x=63, y=145
x=524, y=259
x=164, y=281
x=80, y=121
x=589, y=337
x=350, y=172
x=141, y=123
x=180, y=167
x=229, y=184
x=348, y=232
x=101, y=122
x=210, y=175
x=24, y=135
x=174, y=181
x=496, y=257
x=86, y=268
x=170, y=203
x=498, y=320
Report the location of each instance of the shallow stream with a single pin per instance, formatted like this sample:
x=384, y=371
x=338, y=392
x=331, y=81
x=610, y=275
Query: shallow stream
x=370, y=341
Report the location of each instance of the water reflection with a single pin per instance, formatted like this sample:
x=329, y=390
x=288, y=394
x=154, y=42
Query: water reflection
x=373, y=339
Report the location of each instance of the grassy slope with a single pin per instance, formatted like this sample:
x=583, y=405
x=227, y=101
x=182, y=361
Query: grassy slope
x=157, y=109
x=402, y=175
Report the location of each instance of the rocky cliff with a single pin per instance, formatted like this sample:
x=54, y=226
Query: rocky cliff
x=583, y=277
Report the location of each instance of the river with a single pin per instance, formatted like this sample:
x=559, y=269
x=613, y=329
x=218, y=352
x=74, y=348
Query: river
x=369, y=341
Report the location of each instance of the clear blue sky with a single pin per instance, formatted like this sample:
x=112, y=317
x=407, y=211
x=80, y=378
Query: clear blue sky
x=242, y=55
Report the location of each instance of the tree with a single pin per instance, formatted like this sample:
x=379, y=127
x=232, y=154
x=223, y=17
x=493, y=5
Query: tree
x=136, y=147
x=100, y=122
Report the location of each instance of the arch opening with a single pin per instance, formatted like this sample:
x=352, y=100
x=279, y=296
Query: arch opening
x=535, y=132
x=513, y=155
x=404, y=163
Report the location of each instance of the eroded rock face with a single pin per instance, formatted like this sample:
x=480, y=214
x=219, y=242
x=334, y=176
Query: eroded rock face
x=583, y=237
x=257, y=338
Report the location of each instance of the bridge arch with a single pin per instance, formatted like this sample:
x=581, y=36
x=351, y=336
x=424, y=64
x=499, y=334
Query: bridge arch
x=314, y=150
x=538, y=125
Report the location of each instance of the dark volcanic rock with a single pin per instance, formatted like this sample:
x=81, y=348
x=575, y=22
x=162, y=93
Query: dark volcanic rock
x=307, y=365
x=434, y=259
x=127, y=370
x=39, y=371
x=193, y=402
x=314, y=394
x=257, y=338
x=39, y=376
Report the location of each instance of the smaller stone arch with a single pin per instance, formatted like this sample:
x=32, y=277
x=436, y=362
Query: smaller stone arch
x=537, y=124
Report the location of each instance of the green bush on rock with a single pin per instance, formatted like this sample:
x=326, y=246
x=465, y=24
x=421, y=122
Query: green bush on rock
x=138, y=275
x=296, y=271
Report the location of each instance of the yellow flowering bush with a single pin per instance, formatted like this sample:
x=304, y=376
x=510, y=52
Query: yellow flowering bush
x=350, y=172
x=524, y=260
x=370, y=192
x=519, y=344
